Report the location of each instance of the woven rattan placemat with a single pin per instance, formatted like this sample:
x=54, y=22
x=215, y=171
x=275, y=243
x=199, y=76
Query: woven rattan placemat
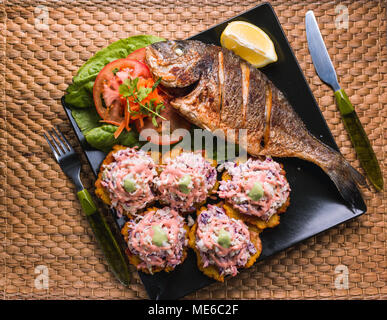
x=43, y=43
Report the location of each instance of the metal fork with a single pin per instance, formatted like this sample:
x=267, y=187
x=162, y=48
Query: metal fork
x=70, y=164
x=65, y=155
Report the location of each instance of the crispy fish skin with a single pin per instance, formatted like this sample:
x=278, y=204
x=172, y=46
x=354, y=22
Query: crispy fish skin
x=256, y=110
x=251, y=101
x=231, y=94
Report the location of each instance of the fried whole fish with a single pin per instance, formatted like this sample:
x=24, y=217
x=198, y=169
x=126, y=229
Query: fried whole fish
x=232, y=94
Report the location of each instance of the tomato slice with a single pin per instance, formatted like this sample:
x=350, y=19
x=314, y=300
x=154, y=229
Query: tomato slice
x=111, y=107
x=138, y=55
x=156, y=136
x=107, y=75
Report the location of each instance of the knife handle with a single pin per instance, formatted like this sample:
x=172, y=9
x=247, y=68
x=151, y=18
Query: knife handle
x=110, y=248
x=359, y=139
x=345, y=106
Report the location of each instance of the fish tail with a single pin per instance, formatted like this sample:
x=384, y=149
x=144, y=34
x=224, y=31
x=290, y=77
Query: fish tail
x=345, y=177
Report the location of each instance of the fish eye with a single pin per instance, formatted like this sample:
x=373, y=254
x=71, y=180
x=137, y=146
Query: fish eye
x=179, y=51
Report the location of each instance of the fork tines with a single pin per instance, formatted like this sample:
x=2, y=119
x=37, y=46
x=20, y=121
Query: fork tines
x=59, y=146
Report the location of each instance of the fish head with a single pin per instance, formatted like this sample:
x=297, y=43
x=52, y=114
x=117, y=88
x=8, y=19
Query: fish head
x=178, y=63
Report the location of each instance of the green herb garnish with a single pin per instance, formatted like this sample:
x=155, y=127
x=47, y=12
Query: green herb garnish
x=129, y=89
x=156, y=84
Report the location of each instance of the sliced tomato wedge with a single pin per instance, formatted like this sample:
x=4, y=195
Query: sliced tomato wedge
x=168, y=137
x=138, y=55
x=113, y=112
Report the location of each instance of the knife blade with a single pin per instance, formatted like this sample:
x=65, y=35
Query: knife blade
x=352, y=124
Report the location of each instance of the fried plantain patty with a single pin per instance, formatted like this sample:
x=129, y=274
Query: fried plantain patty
x=176, y=152
x=212, y=271
x=254, y=220
x=101, y=191
x=136, y=260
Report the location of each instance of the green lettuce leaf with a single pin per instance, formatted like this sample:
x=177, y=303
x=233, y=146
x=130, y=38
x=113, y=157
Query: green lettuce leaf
x=86, y=119
x=102, y=138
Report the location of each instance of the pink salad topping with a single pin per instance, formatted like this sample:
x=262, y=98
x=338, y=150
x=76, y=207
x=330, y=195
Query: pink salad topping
x=256, y=187
x=185, y=181
x=129, y=180
x=158, y=238
x=223, y=241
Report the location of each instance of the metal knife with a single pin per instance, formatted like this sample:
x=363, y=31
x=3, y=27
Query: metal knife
x=326, y=72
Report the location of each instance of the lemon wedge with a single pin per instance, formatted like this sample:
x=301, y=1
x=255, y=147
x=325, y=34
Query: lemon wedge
x=249, y=42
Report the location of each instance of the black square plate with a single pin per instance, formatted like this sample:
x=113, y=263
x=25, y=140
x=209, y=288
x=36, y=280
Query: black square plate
x=316, y=204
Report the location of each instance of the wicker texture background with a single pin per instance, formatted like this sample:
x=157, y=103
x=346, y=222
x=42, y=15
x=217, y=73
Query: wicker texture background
x=40, y=218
